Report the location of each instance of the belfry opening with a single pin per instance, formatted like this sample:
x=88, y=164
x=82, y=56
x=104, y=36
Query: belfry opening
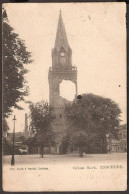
x=67, y=90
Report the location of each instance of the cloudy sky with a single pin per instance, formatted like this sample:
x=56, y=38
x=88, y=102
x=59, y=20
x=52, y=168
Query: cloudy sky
x=97, y=36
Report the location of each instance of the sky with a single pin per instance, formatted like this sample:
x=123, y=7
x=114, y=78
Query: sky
x=96, y=33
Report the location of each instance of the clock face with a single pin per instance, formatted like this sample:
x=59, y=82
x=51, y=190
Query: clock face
x=62, y=54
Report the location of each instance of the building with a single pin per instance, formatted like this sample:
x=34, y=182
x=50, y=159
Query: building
x=120, y=144
x=19, y=136
x=26, y=130
x=62, y=69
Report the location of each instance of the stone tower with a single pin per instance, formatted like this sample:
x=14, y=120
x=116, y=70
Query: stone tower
x=61, y=69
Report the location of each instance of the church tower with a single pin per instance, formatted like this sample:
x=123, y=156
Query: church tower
x=62, y=69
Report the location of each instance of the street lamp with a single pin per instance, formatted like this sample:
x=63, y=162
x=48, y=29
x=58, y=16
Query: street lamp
x=13, y=160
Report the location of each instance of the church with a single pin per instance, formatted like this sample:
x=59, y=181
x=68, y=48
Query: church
x=62, y=69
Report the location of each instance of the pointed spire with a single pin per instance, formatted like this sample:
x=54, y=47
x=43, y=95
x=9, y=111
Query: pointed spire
x=61, y=37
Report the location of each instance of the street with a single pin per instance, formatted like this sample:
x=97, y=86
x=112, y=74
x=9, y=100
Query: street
x=48, y=159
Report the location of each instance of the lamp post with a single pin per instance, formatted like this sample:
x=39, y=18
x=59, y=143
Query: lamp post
x=13, y=160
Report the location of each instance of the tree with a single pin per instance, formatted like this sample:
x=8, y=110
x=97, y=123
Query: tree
x=15, y=56
x=79, y=139
x=5, y=126
x=5, y=144
x=64, y=144
x=42, y=116
x=6, y=147
x=95, y=115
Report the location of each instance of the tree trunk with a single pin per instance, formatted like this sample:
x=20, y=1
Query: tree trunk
x=104, y=145
x=42, y=151
x=101, y=146
x=81, y=151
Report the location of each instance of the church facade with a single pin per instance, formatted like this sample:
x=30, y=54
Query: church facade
x=62, y=69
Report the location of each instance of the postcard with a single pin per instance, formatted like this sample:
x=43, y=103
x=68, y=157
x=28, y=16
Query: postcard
x=64, y=97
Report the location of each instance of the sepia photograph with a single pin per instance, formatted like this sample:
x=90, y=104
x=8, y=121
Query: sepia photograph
x=64, y=98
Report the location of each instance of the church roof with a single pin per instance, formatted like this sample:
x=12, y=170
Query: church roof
x=61, y=37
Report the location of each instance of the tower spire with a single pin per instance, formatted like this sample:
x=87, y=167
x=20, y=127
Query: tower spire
x=61, y=37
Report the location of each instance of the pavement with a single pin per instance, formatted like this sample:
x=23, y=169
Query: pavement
x=50, y=159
